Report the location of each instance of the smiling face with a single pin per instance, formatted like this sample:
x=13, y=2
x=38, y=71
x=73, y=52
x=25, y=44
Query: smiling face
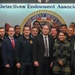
x=63, y=29
x=37, y=24
x=34, y=32
x=26, y=31
x=70, y=32
x=54, y=32
x=45, y=29
x=2, y=32
x=11, y=31
x=61, y=36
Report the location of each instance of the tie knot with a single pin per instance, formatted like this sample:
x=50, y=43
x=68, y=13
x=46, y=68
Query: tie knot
x=45, y=36
x=12, y=38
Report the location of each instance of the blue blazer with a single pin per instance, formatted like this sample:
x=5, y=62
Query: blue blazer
x=7, y=52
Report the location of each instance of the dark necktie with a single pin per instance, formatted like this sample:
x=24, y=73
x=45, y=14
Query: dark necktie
x=46, y=47
x=13, y=43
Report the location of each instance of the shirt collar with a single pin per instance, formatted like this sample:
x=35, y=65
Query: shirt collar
x=44, y=35
x=11, y=37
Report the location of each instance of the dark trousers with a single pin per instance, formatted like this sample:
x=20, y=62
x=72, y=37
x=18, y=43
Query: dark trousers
x=34, y=70
x=50, y=71
x=61, y=73
x=73, y=71
x=2, y=72
x=10, y=71
x=26, y=68
x=43, y=68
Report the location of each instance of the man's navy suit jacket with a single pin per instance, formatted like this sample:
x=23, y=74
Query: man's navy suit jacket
x=7, y=52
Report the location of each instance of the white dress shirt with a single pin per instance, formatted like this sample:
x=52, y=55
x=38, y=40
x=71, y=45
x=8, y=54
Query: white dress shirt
x=47, y=42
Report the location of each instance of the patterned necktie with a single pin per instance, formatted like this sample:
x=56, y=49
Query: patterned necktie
x=46, y=47
x=13, y=43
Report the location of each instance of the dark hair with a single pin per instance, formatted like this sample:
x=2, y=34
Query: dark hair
x=46, y=25
x=1, y=27
x=72, y=23
x=72, y=28
x=25, y=27
x=35, y=22
x=63, y=25
x=16, y=26
x=54, y=28
x=34, y=27
x=61, y=32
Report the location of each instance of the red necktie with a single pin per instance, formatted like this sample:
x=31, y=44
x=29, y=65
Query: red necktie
x=13, y=43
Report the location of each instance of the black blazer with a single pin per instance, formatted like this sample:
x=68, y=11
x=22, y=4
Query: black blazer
x=7, y=52
x=39, y=48
x=73, y=53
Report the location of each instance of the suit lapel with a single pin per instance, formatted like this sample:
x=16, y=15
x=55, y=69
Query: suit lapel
x=42, y=41
x=9, y=42
x=49, y=40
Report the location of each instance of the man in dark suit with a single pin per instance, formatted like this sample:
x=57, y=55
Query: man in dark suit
x=2, y=32
x=42, y=52
x=73, y=55
x=8, y=47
